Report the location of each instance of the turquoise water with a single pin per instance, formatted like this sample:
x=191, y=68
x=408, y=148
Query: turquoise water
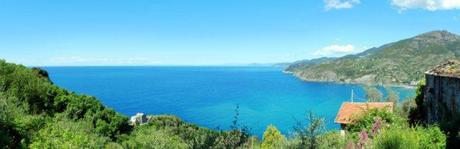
x=207, y=96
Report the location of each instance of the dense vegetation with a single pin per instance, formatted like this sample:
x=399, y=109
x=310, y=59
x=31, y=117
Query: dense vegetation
x=399, y=63
x=34, y=113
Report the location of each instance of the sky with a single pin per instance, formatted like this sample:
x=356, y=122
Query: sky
x=209, y=32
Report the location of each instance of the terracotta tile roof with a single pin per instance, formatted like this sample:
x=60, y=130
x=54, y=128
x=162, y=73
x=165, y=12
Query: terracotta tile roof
x=350, y=109
x=450, y=68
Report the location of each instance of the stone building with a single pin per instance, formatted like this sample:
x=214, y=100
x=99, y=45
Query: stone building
x=442, y=92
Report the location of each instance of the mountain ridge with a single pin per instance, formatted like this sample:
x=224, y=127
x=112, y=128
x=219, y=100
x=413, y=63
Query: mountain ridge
x=397, y=63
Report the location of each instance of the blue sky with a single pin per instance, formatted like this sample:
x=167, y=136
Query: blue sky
x=209, y=32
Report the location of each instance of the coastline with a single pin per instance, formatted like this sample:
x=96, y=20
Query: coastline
x=408, y=86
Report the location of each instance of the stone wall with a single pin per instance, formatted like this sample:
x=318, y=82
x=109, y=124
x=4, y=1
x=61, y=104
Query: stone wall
x=442, y=97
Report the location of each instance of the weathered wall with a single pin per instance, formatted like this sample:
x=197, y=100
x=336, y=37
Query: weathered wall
x=442, y=97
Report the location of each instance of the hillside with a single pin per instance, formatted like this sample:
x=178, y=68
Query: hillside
x=35, y=113
x=399, y=63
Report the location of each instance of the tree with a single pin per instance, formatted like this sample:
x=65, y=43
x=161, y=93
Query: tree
x=9, y=135
x=309, y=134
x=392, y=96
x=272, y=138
x=418, y=115
x=373, y=94
x=238, y=135
x=110, y=123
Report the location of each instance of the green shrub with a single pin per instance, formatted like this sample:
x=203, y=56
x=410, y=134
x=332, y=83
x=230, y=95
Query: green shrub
x=272, y=138
x=366, y=121
x=431, y=137
x=410, y=138
x=333, y=140
x=65, y=133
x=309, y=134
x=418, y=114
x=396, y=138
x=148, y=137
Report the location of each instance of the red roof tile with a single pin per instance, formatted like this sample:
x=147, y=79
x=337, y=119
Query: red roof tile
x=350, y=109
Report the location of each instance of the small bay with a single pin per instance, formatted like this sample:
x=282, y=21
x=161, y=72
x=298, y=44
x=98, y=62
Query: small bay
x=208, y=96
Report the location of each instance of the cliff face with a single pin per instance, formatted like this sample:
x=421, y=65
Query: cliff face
x=399, y=63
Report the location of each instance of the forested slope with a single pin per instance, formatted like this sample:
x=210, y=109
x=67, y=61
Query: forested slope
x=35, y=113
x=399, y=63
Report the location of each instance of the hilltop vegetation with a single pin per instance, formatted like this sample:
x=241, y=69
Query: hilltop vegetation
x=400, y=63
x=34, y=113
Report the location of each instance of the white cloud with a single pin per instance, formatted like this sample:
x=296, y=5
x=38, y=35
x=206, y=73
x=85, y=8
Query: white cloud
x=336, y=51
x=430, y=5
x=340, y=4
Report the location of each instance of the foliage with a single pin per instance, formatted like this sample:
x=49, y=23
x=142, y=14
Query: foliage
x=198, y=137
x=333, y=140
x=310, y=133
x=400, y=62
x=272, y=138
x=373, y=94
x=407, y=106
x=431, y=137
x=148, y=137
x=418, y=114
x=65, y=133
x=382, y=129
x=110, y=123
x=392, y=96
x=396, y=138
x=366, y=121
x=450, y=125
x=35, y=113
x=10, y=136
x=404, y=137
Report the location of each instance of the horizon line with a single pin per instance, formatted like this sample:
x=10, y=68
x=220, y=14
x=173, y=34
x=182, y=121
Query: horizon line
x=168, y=65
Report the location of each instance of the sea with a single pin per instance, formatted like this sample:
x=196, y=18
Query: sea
x=211, y=96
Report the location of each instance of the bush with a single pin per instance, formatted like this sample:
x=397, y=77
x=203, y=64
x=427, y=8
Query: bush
x=148, y=137
x=309, y=134
x=10, y=136
x=431, y=137
x=396, y=138
x=110, y=123
x=65, y=133
x=418, y=114
x=272, y=138
x=194, y=136
x=198, y=137
x=366, y=121
x=333, y=140
x=407, y=138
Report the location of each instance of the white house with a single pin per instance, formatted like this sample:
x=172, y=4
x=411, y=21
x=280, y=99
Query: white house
x=139, y=118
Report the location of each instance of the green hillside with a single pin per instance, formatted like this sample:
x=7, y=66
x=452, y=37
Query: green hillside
x=34, y=113
x=400, y=63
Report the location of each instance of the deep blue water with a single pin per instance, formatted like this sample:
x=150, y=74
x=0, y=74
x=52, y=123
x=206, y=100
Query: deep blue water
x=207, y=96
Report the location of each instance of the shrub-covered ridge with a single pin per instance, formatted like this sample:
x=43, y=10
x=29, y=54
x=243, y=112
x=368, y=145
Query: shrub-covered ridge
x=34, y=113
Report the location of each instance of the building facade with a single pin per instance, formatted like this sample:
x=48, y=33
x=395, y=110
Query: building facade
x=442, y=92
